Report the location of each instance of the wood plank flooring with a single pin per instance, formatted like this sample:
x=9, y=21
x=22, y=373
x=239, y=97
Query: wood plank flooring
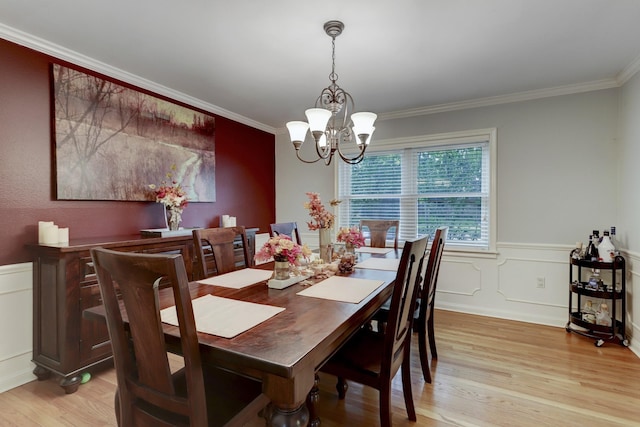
x=489, y=372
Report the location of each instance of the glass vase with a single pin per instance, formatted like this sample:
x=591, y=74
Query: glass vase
x=281, y=270
x=324, y=235
x=173, y=219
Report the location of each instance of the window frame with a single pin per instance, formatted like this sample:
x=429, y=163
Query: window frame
x=444, y=140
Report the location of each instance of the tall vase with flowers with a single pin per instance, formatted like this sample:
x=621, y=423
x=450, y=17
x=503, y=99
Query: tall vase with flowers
x=322, y=220
x=284, y=252
x=173, y=197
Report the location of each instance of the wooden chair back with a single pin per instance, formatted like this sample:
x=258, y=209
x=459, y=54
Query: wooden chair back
x=217, y=252
x=379, y=229
x=288, y=228
x=424, y=322
x=403, y=301
x=146, y=393
x=374, y=358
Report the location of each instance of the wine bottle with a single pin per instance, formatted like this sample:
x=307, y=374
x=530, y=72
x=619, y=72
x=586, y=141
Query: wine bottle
x=587, y=251
x=592, y=250
x=614, y=242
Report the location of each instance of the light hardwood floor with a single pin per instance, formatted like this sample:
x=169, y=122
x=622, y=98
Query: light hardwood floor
x=490, y=372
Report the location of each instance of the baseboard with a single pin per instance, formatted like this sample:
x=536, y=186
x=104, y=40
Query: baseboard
x=16, y=371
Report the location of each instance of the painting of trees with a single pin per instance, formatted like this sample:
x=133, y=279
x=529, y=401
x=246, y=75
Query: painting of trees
x=112, y=141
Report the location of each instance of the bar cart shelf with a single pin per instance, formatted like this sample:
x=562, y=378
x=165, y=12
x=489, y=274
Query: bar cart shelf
x=611, y=290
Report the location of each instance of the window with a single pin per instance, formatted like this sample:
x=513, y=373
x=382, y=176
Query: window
x=426, y=182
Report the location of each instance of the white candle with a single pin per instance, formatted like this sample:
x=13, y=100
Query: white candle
x=42, y=225
x=232, y=221
x=63, y=235
x=50, y=235
x=225, y=220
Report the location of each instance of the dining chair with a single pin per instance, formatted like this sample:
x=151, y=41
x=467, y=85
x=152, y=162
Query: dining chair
x=148, y=393
x=425, y=303
x=288, y=228
x=378, y=231
x=423, y=325
x=216, y=250
x=372, y=358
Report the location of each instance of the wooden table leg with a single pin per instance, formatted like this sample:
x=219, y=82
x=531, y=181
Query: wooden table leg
x=288, y=396
x=278, y=417
x=312, y=400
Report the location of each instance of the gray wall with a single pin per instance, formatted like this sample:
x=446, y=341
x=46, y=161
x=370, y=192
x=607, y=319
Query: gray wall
x=556, y=165
x=565, y=165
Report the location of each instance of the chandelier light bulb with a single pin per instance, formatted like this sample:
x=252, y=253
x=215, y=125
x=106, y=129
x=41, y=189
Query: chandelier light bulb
x=322, y=143
x=318, y=118
x=363, y=120
x=297, y=132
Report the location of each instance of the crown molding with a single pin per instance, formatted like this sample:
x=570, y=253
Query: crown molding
x=629, y=71
x=59, y=52
x=503, y=99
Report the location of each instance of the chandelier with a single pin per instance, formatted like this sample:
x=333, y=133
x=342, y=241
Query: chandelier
x=329, y=120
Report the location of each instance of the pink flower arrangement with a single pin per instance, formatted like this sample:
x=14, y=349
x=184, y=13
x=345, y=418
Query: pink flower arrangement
x=173, y=197
x=351, y=236
x=282, y=248
x=322, y=218
x=170, y=194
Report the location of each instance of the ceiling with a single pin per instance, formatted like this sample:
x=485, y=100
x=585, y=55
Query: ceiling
x=264, y=62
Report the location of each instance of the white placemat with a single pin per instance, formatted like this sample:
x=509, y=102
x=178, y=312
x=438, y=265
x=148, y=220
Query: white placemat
x=370, y=250
x=388, y=264
x=223, y=317
x=345, y=289
x=238, y=279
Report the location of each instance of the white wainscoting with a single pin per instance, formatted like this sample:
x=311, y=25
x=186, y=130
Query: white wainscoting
x=506, y=285
x=16, y=325
x=633, y=301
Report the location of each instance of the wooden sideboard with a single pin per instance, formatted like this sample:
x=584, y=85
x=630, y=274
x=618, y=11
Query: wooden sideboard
x=65, y=284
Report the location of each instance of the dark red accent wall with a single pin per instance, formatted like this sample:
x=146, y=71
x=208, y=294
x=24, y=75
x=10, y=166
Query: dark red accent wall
x=245, y=170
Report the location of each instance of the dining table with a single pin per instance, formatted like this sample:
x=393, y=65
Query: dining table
x=286, y=350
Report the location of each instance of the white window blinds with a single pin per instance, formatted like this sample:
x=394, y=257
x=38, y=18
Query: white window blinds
x=425, y=185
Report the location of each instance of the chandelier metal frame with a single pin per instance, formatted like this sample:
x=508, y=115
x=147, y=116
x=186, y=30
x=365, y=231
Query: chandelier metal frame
x=329, y=121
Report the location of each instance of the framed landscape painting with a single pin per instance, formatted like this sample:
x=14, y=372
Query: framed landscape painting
x=112, y=142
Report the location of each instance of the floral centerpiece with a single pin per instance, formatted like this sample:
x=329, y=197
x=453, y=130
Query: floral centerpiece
x=173, y=197
x=281, y=248
x=321, y=217
x=284, y=252
x=322, y=220
x=351, y=236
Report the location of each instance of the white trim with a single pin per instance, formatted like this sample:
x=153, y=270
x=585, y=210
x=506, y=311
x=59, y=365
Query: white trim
x=60, y=52
x=503, y=99
x=46, y=47
x=628, y=72
x=489, y=135
x=473, y=135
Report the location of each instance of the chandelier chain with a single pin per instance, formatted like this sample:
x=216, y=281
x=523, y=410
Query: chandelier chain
x=333, y=76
